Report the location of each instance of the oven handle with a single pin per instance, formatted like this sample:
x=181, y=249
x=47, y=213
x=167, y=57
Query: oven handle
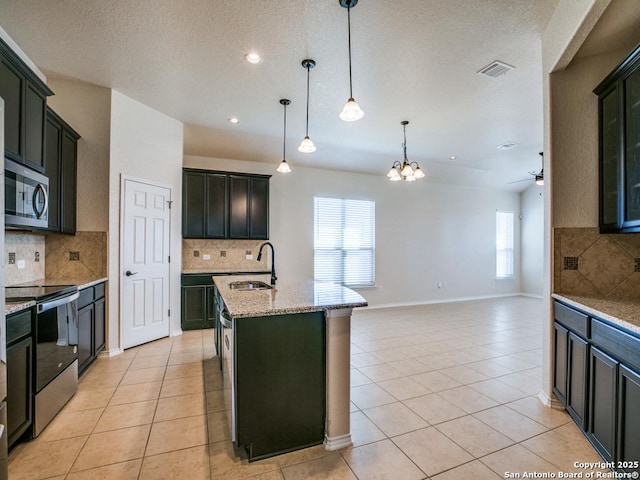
x=225, y=320
x=43, y=307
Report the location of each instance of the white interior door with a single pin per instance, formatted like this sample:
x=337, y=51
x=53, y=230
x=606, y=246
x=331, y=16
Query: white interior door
x=145, y=247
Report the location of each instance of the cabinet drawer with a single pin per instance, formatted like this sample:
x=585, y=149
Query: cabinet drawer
x=18, y=325
x=86, y=297
x=197, y=279
x=623, y=346
x=98, y=291
x=572, y=319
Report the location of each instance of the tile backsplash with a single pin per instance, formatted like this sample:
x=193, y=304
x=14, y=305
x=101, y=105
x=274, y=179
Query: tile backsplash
x=23, y=257
x=224, y=255
x=593, y=264
x=81, y=256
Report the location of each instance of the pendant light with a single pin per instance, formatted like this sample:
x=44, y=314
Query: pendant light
x=284, y=166
x=408, y=171
x=351, y=111
x=307, y=146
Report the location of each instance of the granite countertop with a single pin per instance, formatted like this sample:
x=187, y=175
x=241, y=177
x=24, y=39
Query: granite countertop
x=81, y=282
x=286, y=297
x=14, y=307
x=625, y=313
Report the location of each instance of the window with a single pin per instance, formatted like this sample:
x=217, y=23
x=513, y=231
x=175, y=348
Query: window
x=344, y=241
x=504, y=244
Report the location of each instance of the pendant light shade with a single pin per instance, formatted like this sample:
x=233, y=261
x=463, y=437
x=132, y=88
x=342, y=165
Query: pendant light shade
x=351, y=111
x=284, y=166
x=407, y=171
x=307, y=146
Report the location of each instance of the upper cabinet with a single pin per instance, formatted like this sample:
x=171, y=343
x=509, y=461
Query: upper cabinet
x=61, y=167
x=619, y=147
x=24, y=97
x=224, y=205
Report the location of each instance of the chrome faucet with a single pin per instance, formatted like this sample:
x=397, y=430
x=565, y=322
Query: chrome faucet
x=273, y=261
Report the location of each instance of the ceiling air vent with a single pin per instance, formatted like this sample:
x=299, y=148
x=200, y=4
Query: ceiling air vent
x=495, y=69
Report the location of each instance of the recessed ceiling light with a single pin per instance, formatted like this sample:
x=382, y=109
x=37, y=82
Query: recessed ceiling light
x=253, y=57
x=233, y=120
x=506, y=145
x=452, y=157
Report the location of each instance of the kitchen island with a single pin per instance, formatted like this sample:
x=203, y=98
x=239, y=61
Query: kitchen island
x=286, y=362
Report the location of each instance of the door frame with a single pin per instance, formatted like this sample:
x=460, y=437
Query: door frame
x=123, y=179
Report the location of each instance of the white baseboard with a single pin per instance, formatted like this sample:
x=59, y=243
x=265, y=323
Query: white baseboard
x=336, y=443
x=441, y=300
x=550, y=402
x=112, y=352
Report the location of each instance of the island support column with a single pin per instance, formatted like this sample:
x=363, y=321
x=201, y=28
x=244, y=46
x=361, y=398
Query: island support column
x=338, y=427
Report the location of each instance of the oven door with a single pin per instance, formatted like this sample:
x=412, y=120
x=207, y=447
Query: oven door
x=56, y=338
x=26, y=196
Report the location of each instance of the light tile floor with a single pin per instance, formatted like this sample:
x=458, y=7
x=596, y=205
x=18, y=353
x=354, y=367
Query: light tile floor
x=442, y=391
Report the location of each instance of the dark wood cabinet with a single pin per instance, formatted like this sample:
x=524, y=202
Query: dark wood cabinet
x=603, y=393
x=198, y=302
x=560, y=370
x=628, y=419
x=577, y=378
x=279, y=383
x=19, y=375
x=619, y=147
x=61, y=147
x=25, y=96
x=204, y=205
x=220, y=205
x=91, y=324
x=597, y=363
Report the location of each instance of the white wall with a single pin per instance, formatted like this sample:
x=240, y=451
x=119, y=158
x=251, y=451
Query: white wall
x=144, y=144
x=425, y=232
x=532, y=240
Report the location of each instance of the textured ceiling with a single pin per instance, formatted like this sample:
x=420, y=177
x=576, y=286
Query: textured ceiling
x=412, y=59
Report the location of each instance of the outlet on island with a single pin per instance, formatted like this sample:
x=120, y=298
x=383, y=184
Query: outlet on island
x=440, y=284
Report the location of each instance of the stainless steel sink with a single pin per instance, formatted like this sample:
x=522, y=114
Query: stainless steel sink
x=249, y=285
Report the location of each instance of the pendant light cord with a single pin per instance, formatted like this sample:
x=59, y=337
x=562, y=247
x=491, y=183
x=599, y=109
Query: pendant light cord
x=349, y=24
x=308, y=70
x=284, y=137
x=404, y=144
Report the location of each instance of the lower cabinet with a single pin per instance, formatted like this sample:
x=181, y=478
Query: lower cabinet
x=19, y=375
x=198, y=302
x=603, y=384
x=628, y=419
x=91, y=325
x=596, y=376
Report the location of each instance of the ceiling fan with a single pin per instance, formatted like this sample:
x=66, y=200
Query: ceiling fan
x=539, y=176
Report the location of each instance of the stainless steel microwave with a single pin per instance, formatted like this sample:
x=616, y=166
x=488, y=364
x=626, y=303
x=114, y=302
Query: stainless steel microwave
x=26, y=196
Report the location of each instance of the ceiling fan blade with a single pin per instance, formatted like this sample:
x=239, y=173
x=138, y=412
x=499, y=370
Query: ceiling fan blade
x=518, y=181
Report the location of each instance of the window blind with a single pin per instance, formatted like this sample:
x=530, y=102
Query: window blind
x=344, y=241
x=504, y=244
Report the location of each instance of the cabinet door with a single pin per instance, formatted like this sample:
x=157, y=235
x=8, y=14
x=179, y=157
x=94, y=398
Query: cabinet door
x=577, y=379
x=193, y=205
x=561, y=336
x=68, y=183
x=194, y=307
x=216, y=206
x=99, y=327
x=631, y=216
x=629, y=419
x=238, y=206
x=35, y=104
x=602, y=402
x=259, y=208
x=11, y=88
x=610, y=160
x=19, y=381
x=53, y=133
x=85, y=337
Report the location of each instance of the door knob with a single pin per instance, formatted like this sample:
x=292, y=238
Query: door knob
x=129, y=273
